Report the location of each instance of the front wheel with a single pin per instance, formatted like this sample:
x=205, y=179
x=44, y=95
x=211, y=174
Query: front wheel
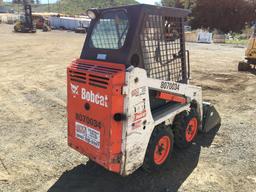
x=185, y=128
x=159, y=148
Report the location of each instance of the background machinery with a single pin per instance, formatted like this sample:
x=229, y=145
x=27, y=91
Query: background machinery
x=129, y=98
x=250, y=54
x=41, y=22
x=25, y=23
x=81, y=28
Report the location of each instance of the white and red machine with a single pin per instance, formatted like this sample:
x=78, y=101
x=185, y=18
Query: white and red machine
x=129, y=101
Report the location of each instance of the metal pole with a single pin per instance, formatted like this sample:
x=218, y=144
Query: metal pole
x=48, y=6
x=59, y=5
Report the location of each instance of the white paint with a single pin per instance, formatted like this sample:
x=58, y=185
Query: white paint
x=135, y=140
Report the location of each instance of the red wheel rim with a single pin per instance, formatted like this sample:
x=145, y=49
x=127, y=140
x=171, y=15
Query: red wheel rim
x=162, y=150
x=191, y=129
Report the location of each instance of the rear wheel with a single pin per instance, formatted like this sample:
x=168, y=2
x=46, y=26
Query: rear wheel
x=16, y=28
x=159, y=148
x=185, y=128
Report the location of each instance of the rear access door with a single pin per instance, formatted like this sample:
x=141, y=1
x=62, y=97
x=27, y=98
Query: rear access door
x=94, y=98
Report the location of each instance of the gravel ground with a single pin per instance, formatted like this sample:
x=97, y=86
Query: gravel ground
x=34, y=155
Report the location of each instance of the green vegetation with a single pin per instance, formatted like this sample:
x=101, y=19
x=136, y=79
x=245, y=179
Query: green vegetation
x=74, y=7
x=185, y=4
x=239, y=38
x=237, y=41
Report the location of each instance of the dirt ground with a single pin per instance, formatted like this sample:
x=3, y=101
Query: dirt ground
x=34, y=155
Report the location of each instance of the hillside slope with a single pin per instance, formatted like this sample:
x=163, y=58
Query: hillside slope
x=80, y=6
x=72, y=7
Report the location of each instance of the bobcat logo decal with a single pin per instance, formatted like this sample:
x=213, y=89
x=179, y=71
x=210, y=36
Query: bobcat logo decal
x=74, y=89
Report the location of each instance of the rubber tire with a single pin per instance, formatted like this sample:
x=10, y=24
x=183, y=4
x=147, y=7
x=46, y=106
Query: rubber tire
x=243, y=66
x=16, y=28
x=159, y=131
x=179, y=128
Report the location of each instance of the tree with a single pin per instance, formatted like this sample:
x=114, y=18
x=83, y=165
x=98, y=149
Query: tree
x=23, y=1
x=185, y=4
x=17, y=1
x=224, y=15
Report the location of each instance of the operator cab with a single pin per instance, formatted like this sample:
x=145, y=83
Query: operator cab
x=142, y=36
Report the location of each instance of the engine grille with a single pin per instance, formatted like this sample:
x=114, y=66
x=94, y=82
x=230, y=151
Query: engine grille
x=81, y=72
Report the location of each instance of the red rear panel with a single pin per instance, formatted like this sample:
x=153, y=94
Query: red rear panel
x=94, y=91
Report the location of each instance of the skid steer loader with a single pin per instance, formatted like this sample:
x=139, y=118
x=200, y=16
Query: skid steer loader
x=129, y=101
x=250, y=54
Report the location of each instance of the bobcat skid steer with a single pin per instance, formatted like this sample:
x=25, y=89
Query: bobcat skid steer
x=129, y=101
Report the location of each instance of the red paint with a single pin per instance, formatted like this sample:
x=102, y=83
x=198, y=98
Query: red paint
x=162, y=150
x=191, y=129
x=101, y=104
x=171, y=97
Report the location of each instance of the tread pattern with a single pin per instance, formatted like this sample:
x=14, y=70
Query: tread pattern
x=159, y=131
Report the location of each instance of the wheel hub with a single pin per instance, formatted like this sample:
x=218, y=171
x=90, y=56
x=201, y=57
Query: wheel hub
x=162, y=150
x=191, y=129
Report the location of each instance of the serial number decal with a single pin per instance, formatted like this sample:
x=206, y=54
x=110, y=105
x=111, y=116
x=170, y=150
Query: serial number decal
x=169, y=86
x=88, y=120
x=88, y=135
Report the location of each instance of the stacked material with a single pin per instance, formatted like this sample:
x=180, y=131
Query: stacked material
x=191, y=36
x=204, y=37
x=199, y=36
x=8, y=18
x=47, y=14
x=219, y=38
x=69, y=23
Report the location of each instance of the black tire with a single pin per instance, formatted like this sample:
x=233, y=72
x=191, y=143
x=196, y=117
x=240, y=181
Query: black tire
x=243, y=66
x=159, y=133
x=16, y=29
x=182, y=127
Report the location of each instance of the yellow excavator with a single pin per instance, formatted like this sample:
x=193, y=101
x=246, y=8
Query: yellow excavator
x=250, y=54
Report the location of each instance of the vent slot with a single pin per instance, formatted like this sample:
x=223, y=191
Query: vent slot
x=95, y=76
x=97, y=85
x=108, y=69
x=97, y=69
x=85, y=65
x=77, y=80
x=98, y=81
x=77, y=76
x=76, y=72
x=102, y=71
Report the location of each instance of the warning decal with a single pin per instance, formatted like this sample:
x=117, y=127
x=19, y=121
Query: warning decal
x=88, y=135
